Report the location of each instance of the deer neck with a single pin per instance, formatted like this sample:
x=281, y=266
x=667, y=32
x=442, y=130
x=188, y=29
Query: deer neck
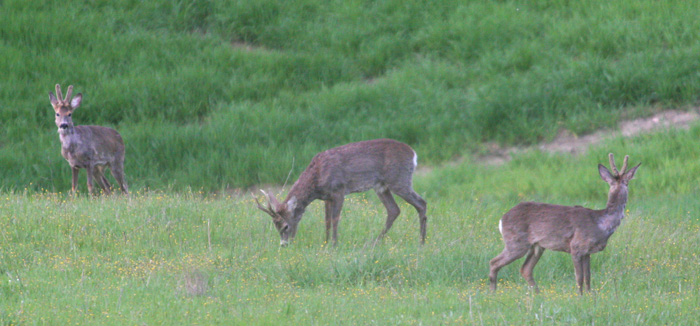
x=614, y=211
x=299, y=198
x=69, y=137
x=301, y=194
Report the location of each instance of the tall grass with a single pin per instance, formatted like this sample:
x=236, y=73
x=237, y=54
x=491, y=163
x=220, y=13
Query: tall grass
x=213, y=94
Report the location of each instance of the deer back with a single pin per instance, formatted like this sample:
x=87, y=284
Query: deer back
x=551, y=226
x=358, y=167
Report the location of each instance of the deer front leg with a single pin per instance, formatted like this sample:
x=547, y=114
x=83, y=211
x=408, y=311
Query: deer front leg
x=90, y=176
x=587, y=271
x=578, y=270
x=74, y=183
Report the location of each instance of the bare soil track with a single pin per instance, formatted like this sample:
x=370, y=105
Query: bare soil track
x=566, y=142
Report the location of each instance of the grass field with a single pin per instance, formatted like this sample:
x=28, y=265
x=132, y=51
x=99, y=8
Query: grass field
x=200, y=259
x=213, y=94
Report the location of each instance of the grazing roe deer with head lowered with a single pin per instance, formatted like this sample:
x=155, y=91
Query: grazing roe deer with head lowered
x=530, y=228
x=92, y=148
x=384, y=165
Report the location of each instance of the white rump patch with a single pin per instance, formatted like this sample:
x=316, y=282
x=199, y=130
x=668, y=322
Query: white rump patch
x=500, y=226
x=415, y=159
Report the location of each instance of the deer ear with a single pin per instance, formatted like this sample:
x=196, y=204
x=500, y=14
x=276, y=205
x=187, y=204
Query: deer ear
x=75, y=102
x=605, y=174
x=53, y=99
x=630, y=174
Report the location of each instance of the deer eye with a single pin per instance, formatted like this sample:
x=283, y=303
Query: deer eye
x=70, y=114
x=58, y=115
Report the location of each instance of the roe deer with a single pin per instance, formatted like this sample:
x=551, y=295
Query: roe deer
x=530, y=228
x=384, y=165
x=88, y=147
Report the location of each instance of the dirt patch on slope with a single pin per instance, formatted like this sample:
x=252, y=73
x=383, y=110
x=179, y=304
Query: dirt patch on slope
x=566, y=142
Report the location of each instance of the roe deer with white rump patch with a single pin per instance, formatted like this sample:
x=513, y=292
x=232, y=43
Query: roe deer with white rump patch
x=384, y=165
x=92, y=148
x=530, y=228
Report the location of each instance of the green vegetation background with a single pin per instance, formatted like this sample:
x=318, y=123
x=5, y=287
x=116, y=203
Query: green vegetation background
x=225, y=94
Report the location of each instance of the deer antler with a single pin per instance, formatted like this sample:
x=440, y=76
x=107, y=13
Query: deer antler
x=612, y=165
x=59, y=94
x=261, y=207
x=624, y=165
x=272, y=201
x=69, y=93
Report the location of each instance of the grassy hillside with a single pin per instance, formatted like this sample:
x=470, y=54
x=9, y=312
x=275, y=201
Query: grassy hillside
x=189, y=258
x=211, y=93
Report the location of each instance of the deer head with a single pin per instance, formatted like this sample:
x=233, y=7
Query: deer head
x=284, y=216
x=618, y=180
x=64, y=106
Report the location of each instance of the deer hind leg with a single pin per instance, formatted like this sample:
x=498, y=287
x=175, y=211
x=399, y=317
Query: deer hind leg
x=336, y=207
x=506, y=257
x=99, y=175
x=329, y=217
x=392, y=210
x=533, y=256
x=118, y=174
x=104, y=179
x=106, y=183
x=421, y=206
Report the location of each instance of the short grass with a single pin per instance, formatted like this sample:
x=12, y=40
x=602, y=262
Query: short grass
x=213, y=94
x=196, y=258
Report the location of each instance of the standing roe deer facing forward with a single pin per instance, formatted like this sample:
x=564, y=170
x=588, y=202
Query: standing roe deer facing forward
x=384, y=165
x=530, y=228
x=88, y=147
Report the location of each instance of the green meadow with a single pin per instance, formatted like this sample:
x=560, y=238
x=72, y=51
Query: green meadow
x=216, y=97
x=197, y=258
